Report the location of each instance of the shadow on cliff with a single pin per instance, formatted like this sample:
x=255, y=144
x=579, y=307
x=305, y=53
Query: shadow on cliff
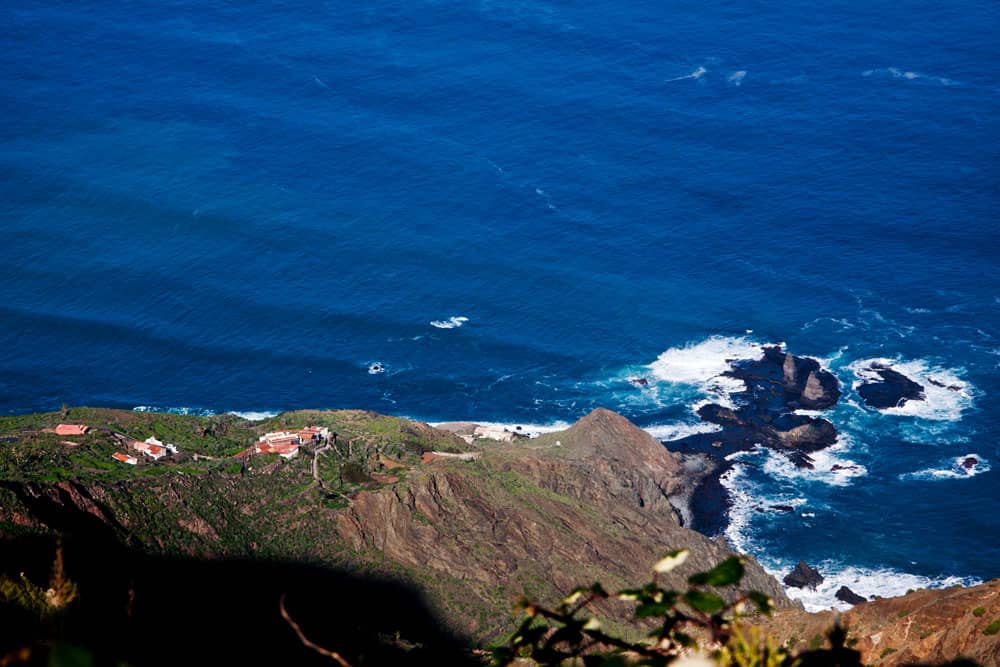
x=149, y=610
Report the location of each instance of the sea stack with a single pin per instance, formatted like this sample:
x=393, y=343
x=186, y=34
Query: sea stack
x=803, y=576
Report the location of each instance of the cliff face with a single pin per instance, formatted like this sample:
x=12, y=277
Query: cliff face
x=927, y=626
x=593, y=503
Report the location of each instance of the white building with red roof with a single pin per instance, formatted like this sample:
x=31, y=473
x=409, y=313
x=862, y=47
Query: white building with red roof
x=171, y=449
x=125, y=458
x=154, y=452
x=285, y=450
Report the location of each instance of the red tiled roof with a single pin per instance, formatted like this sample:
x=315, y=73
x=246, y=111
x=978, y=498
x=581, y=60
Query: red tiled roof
x=276, y=448
x=155, y=450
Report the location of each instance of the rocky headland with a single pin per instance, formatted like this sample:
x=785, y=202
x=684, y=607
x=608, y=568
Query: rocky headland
x=412, y=542
x=601, y=501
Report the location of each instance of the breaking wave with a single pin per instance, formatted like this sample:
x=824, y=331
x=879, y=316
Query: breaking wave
x=676, y=431
x=703, y=365
x=450, y=323
x=866, y=582
x=254, y=416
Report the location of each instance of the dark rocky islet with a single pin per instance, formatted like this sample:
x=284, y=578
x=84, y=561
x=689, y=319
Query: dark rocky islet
x=803, y=576
x=892, y=391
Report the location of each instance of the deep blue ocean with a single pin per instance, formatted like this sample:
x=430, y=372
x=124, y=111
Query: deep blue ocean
x=253, y=207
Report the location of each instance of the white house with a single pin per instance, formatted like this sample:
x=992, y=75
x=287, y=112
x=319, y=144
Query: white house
x=171, y=449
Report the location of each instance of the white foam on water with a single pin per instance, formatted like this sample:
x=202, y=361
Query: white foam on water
x=866, y=582
x=940, y=403
x=908, y=75
x=376, y=367
x=698, y=363
x=702, y=365
x=676, y=431
x=950, y=469
x=198, y=412
x=829, y=465
x=696, y=74
x=254, y=416
x=736, y=78
x=530, y=430
x=745, y=497
x=741, y=510
x=450, y=323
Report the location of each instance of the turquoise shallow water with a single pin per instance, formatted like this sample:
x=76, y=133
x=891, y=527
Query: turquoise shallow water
x=220, y=207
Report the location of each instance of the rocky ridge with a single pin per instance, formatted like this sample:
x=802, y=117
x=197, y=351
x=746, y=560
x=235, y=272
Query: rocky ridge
x=597, y=502
x=925, y=626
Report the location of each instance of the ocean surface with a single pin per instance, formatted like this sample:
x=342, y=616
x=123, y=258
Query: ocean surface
x=502, y=210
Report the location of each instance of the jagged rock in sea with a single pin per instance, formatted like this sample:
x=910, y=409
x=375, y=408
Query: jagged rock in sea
x=970, y=462
x=803, y=576
x=892, y=391
x=776, y=385
x=845, y=594
x=804, y=381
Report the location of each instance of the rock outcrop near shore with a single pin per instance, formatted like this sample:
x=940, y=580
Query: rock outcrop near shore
x=803, y=576
x=776, y=386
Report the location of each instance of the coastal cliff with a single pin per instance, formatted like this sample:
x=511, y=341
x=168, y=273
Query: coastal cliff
x=529, y=517
x=469, y=527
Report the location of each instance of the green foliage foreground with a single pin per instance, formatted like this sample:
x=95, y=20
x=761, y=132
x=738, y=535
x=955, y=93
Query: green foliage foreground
x=678, y=624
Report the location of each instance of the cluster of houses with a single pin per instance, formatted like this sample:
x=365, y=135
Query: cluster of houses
x=151, y=447
x=286, y=444
x=283, y=443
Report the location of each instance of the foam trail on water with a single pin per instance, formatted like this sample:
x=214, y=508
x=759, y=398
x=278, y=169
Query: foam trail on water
x=946, y=394
x=736, y=78
x=907, y=75
x=742, y=498
x=450, y=323
x=950, y=469
x=696, y=74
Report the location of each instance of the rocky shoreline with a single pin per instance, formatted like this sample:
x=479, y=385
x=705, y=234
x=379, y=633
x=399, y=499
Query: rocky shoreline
x=765, y=414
